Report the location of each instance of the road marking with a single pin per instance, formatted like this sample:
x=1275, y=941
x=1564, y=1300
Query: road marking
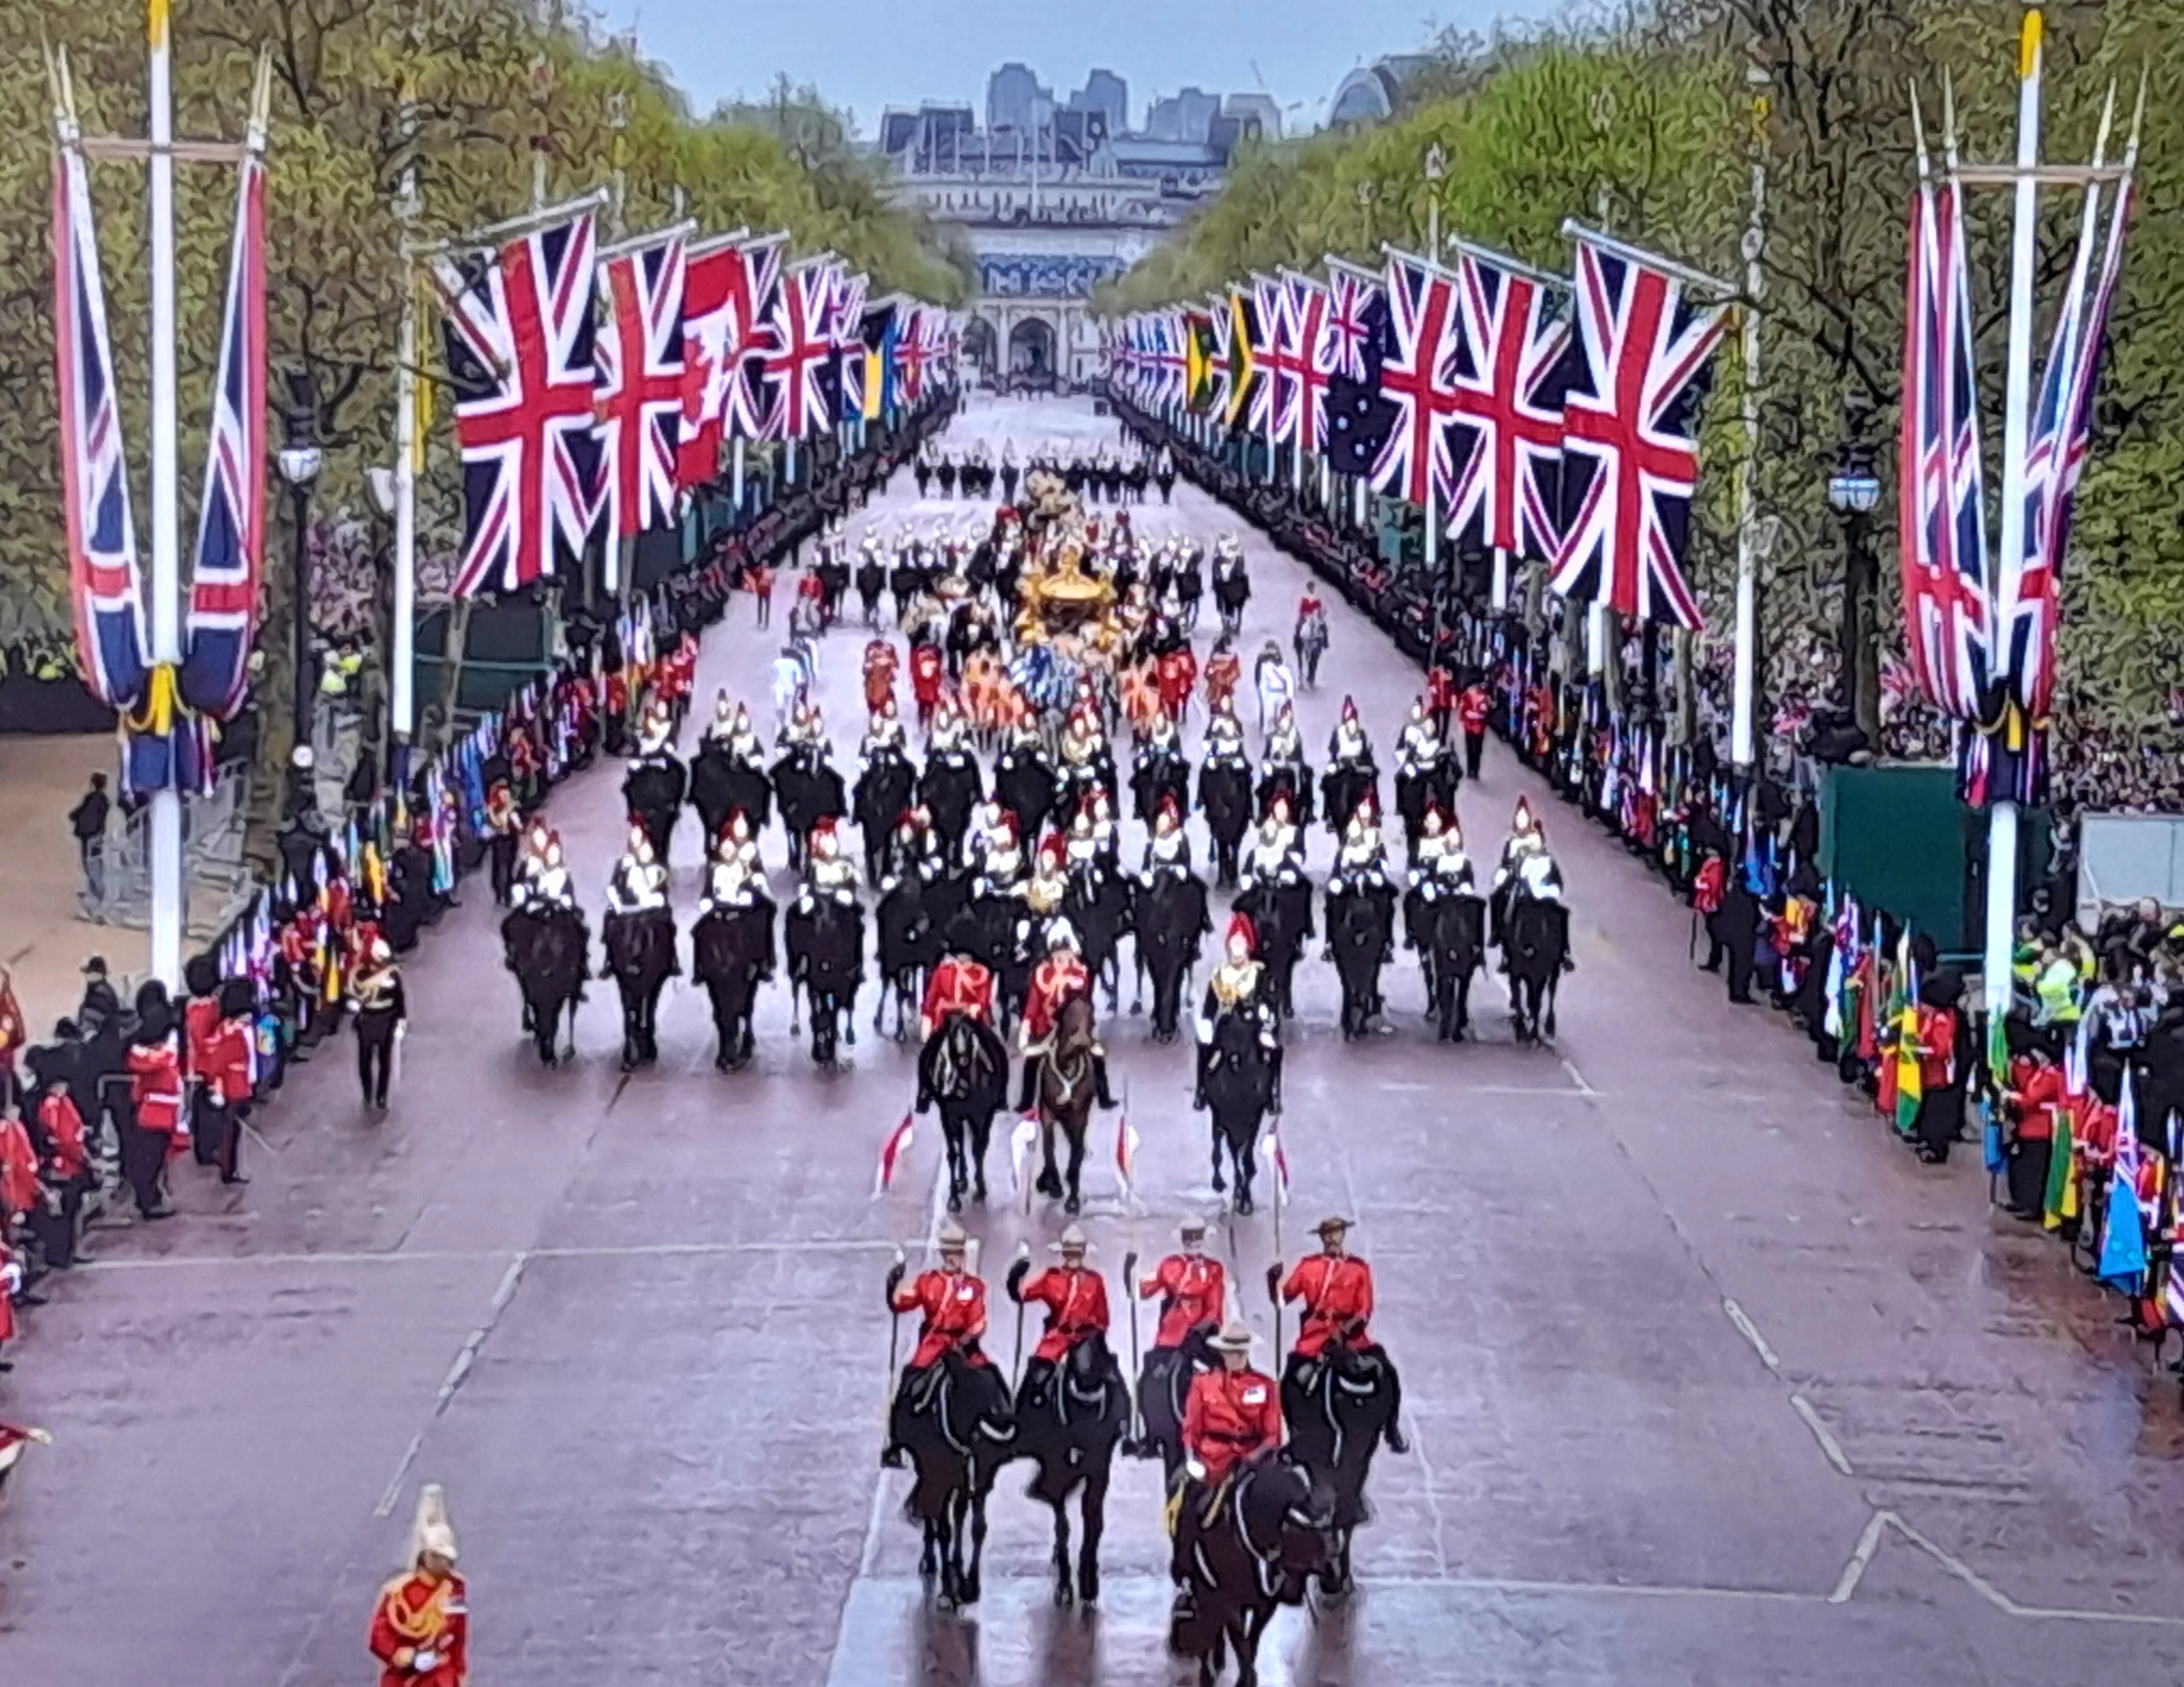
x=1822, y=1433
x=1577, y=1076
x=460, y=1370
x=1751, y=1334
x=394, y=1493
x=1868, y=1543
x=859, y=1245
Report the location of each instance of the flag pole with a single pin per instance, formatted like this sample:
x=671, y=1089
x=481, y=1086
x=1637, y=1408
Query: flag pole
x=2002, y=816
x=402, y=679
x=1743, y=749
x=168, y=893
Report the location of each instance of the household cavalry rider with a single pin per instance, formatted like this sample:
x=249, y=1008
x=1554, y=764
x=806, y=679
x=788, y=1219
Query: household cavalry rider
x=1231, y=1419
x=1273, y=851
x=1443, y=868
x=1361, y=863
x=1336, y=1288
x=545, y=882
x=736, y=840
x=1075, y=1302
x=1054, y=982
x=731, y=877
x=1232, y=989
x=1001, y=870
x=420, y=1623
x=1045, y=889
x=950, y=1301
x=1527, y=872
x=1167, y=849
x=639, y=883
x=826, y=871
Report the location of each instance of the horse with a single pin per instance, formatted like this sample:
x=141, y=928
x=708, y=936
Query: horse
x=652, y=789
x=883, y=792
x=1099, y=904
x=1338, y=1408
x=1449, y=932
x=1224, y=796
x=808, y=790
x=1275, y=1534
x=1536, y=943
x=963, y=1067
x=1429, y=785
x=1232, y=590
x=548, y=949
x=909, y=944
x=985, y=927
x=959, y=1432
x=1072, y=1436
x=722, y=782
x=1241, y=1087
x=1065, y=1083
x=825, y=938
x=1172, y=923
x=1281, y=913
x=1360, y=924
x=1163, y=1388
x=731, y=954
x=1342, y=787
x=950, y=787
x=640, y=960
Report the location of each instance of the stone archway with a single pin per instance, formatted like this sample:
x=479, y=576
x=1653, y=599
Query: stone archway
x=981, y=350
x=1033, y=344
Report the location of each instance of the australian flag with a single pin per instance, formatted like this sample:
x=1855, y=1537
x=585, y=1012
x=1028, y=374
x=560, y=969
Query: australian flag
x=1360, y=414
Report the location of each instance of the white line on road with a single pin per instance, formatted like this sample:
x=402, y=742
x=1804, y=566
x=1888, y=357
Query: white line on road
x=388, y=1500
x=1751, y=1334
x=1821, y=1433
x=854, y=1244
x=1868, y=1543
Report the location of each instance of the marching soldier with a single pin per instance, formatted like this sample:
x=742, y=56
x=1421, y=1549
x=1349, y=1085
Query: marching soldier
x=1075, y=1302
x=421, y=1625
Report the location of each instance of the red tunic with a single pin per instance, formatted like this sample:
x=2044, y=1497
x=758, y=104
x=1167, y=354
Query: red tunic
x=956, y=986
x=1230, y=1416
x=225, y=1069
x=925, y=674
x=63, y=1124
x=2040, y=1097
x=880, y=664
x=1179, y=673
x=1711, y=885
x=1473, y=708
x=416, y=1614
x=1441, y=691
x=7, y=1305
x=1334, y=1291
x=954, y=1305
x=1222, y=673
x=1058, y=977
x=1192, y=1292
x=1075, y=1302
x=18, y=1168
x=1937, y=1048
x=155, y=1086
x=200, y=1020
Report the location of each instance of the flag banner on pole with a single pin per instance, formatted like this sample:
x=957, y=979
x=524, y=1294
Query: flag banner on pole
x=1361, y=416
x=1126, y=1155
x=231, y=551
x=521, y=338
x=1235, y=328
x=846, y=318
x=1427, y=362
x=1266, y=338
x=891, y=1155
x=874, y=392
x=1303, y=422
x=1270, y=1145
x=728, y=290
x=1508, y=484
x=1630, y=462
x=914, y=351
x=1021, y=1140
x=2123, y=1230
x=797, y=371
x=1205, y=362
x=641, y=387
x=103, y=579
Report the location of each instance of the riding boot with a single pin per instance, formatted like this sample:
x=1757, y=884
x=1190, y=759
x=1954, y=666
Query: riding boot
x=1100, y=1090
x=1394, y=1433
x=1027, y=1091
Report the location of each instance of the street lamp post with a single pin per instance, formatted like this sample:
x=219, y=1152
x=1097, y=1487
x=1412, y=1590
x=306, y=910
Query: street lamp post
x=1852, y=493
x=300, y=460
x=1436, y=167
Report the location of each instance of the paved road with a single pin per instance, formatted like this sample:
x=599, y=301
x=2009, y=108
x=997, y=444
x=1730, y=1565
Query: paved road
x=1707, y=1381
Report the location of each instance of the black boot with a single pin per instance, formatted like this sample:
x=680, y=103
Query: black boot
x=1100, y=1091
x=1027, y=1091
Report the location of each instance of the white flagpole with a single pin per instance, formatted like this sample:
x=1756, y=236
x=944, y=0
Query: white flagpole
x=1743, y=749
x=402, y=681
x=2002, y=816
x=168, y=893
x=1500, y=579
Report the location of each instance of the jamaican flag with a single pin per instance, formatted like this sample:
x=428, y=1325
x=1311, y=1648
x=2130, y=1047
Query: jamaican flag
x=1204, y=367
x=1243, y=368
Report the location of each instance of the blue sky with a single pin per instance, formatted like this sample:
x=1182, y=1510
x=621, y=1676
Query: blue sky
x=870, y=54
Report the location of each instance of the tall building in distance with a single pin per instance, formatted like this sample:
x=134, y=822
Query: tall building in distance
x=1057, y=196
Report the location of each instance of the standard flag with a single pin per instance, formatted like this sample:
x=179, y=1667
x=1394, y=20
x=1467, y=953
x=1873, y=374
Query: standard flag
x=1126, y=1155
x=891, y=1156
x=102, y=537
x=1270, y=1145
x=1517, y=329
x=641, y=387
x=1268, y=347
x=727, y=292
x=1360, y=416
x=798, y=372
x=1205, y=363
x=1426, y=360
x=1630, y=457
x=521, y=334
x=1304, y=423
x=2123, y=1233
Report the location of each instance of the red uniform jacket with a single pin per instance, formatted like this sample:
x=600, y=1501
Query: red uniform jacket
x=62, y=1123
x=6, y=1308
x=1333, y=1292
x=956, y=987
x=880, y=664
x=1230, y=1416
x=1076, y=1303
x=1192, y=1292
x=1222, y=673
x=925, y=674
x=759, y=578
x=1937, y=1046
x=2040, y=1097
x=19, y=1169
x=1710, y=885
x=954, y=1305
x=1179, y=673
x=1057, y=979
x=155, y=1086
x=224, y=1068
x=200, y=1023
x=1473, y=708
x=416, y=1614
x=1441, y=691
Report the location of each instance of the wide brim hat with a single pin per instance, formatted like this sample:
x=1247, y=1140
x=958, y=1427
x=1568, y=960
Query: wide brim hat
x=1334, y=1225
x=1234, y=1337
x=1073, y=1240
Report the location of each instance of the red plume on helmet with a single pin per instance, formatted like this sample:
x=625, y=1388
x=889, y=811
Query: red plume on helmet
x=1053, y=852
x=1169, y=807
x=1240, y=926
x=1350, y=708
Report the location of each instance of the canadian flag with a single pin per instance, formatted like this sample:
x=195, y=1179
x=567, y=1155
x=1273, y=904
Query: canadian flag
x=891, y=1152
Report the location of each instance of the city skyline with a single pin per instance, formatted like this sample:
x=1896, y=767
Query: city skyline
x=859, y=62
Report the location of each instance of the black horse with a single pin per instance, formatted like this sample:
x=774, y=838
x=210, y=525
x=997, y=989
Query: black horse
x=1242, y=1084
x=654, y=789
x=1273, y=1536
x=1099, y=905
x=808, y=790
x=825, y=938
x=732, y=955
x=1173, y=923
x=964, y=1069
x=1163, y=1388
x=1449, y=932
x=1232, y=590
x=909, y=944
x=1420, y=788
x=1361, y=925
x=1344, y=786
x=549, y=950
x=1338, y=1408
x=1536, y=941
x=1023, y=784
x=883, y=792
x=949, y=787
x=1280, y=911
x=1073, y=1435
x=1160, y=774
x=722, y=782
x=1224, y=797
x=640, y=959
x=957, y=1426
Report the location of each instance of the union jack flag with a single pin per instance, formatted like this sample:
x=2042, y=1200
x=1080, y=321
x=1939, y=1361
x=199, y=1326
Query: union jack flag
x=1942, y=522
x=1422, y=375
x=641, y=387
x=913, y=355
x=231, y=553
x=797, y=372
x=1629, y=437
x=521, y=336
x=726, y=291
x=1511, y=396
x=102, y=538
x=1351, y=294
x=1305, y=423
x=1274, y=355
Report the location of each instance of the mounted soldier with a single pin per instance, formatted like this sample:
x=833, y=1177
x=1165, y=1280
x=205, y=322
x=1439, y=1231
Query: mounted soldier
x=1224, y=793
x=805, y=782
x=657, y=781
x=962, y=1066
x=1232, y=1421
x=951, y=784
x=885, y=782
x=1426, y=775
x=825, y=937
x=1361, y=921
x=732, y=949
x=1285, y=772
x=638, y=933
x=1075, y=1302
x=1024, y=779
x=1239, y=1056
x=1352, y=775
x=1159, y=771
x=1193, y=1291
x=1277, y=896
x=1444, y=920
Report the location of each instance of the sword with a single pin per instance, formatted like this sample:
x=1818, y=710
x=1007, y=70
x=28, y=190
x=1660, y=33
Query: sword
x=1130, y=1291
x=895, y=1328
x=1274, y=1294
x=1015, y=1369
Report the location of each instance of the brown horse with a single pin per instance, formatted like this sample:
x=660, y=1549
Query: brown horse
x=1069, y=1081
